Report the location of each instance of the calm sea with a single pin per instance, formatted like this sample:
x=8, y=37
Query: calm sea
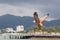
x=2, y=38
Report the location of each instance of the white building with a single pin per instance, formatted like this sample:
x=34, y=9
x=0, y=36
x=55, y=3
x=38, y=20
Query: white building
x=19, y=28
x=9, y=30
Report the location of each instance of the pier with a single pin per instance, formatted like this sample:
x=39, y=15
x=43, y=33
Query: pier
x=30, y=35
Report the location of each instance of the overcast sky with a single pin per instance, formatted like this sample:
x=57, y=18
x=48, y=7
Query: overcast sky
x=28, y=7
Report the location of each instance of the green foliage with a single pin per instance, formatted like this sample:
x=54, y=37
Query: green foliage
x=47, y=29
x=52, y=29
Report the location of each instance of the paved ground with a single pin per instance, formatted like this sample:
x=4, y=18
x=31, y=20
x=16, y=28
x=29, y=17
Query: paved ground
x=45, y=39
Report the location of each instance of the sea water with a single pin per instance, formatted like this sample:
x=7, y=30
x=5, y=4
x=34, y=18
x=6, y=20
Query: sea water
x=2, y=38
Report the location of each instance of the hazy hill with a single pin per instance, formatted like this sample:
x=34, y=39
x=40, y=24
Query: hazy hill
x=13, y=21
x=52, y=23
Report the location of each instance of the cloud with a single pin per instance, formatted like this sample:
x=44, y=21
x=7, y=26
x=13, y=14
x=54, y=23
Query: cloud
x=27, y=7
x=17, y=10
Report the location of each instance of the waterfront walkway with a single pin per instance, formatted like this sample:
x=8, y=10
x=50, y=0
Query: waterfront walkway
x=30, y=35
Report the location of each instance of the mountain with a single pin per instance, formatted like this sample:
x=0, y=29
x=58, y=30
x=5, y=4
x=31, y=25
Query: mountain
x=52, y=23
x=8, y=20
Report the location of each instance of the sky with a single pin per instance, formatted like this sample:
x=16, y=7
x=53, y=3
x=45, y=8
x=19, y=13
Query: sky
x=28, y=7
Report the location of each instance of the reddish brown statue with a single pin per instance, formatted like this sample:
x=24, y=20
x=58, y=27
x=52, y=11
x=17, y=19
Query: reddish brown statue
x=38, y=21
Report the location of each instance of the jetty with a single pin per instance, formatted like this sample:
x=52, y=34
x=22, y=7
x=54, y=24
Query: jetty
x=30, y=35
